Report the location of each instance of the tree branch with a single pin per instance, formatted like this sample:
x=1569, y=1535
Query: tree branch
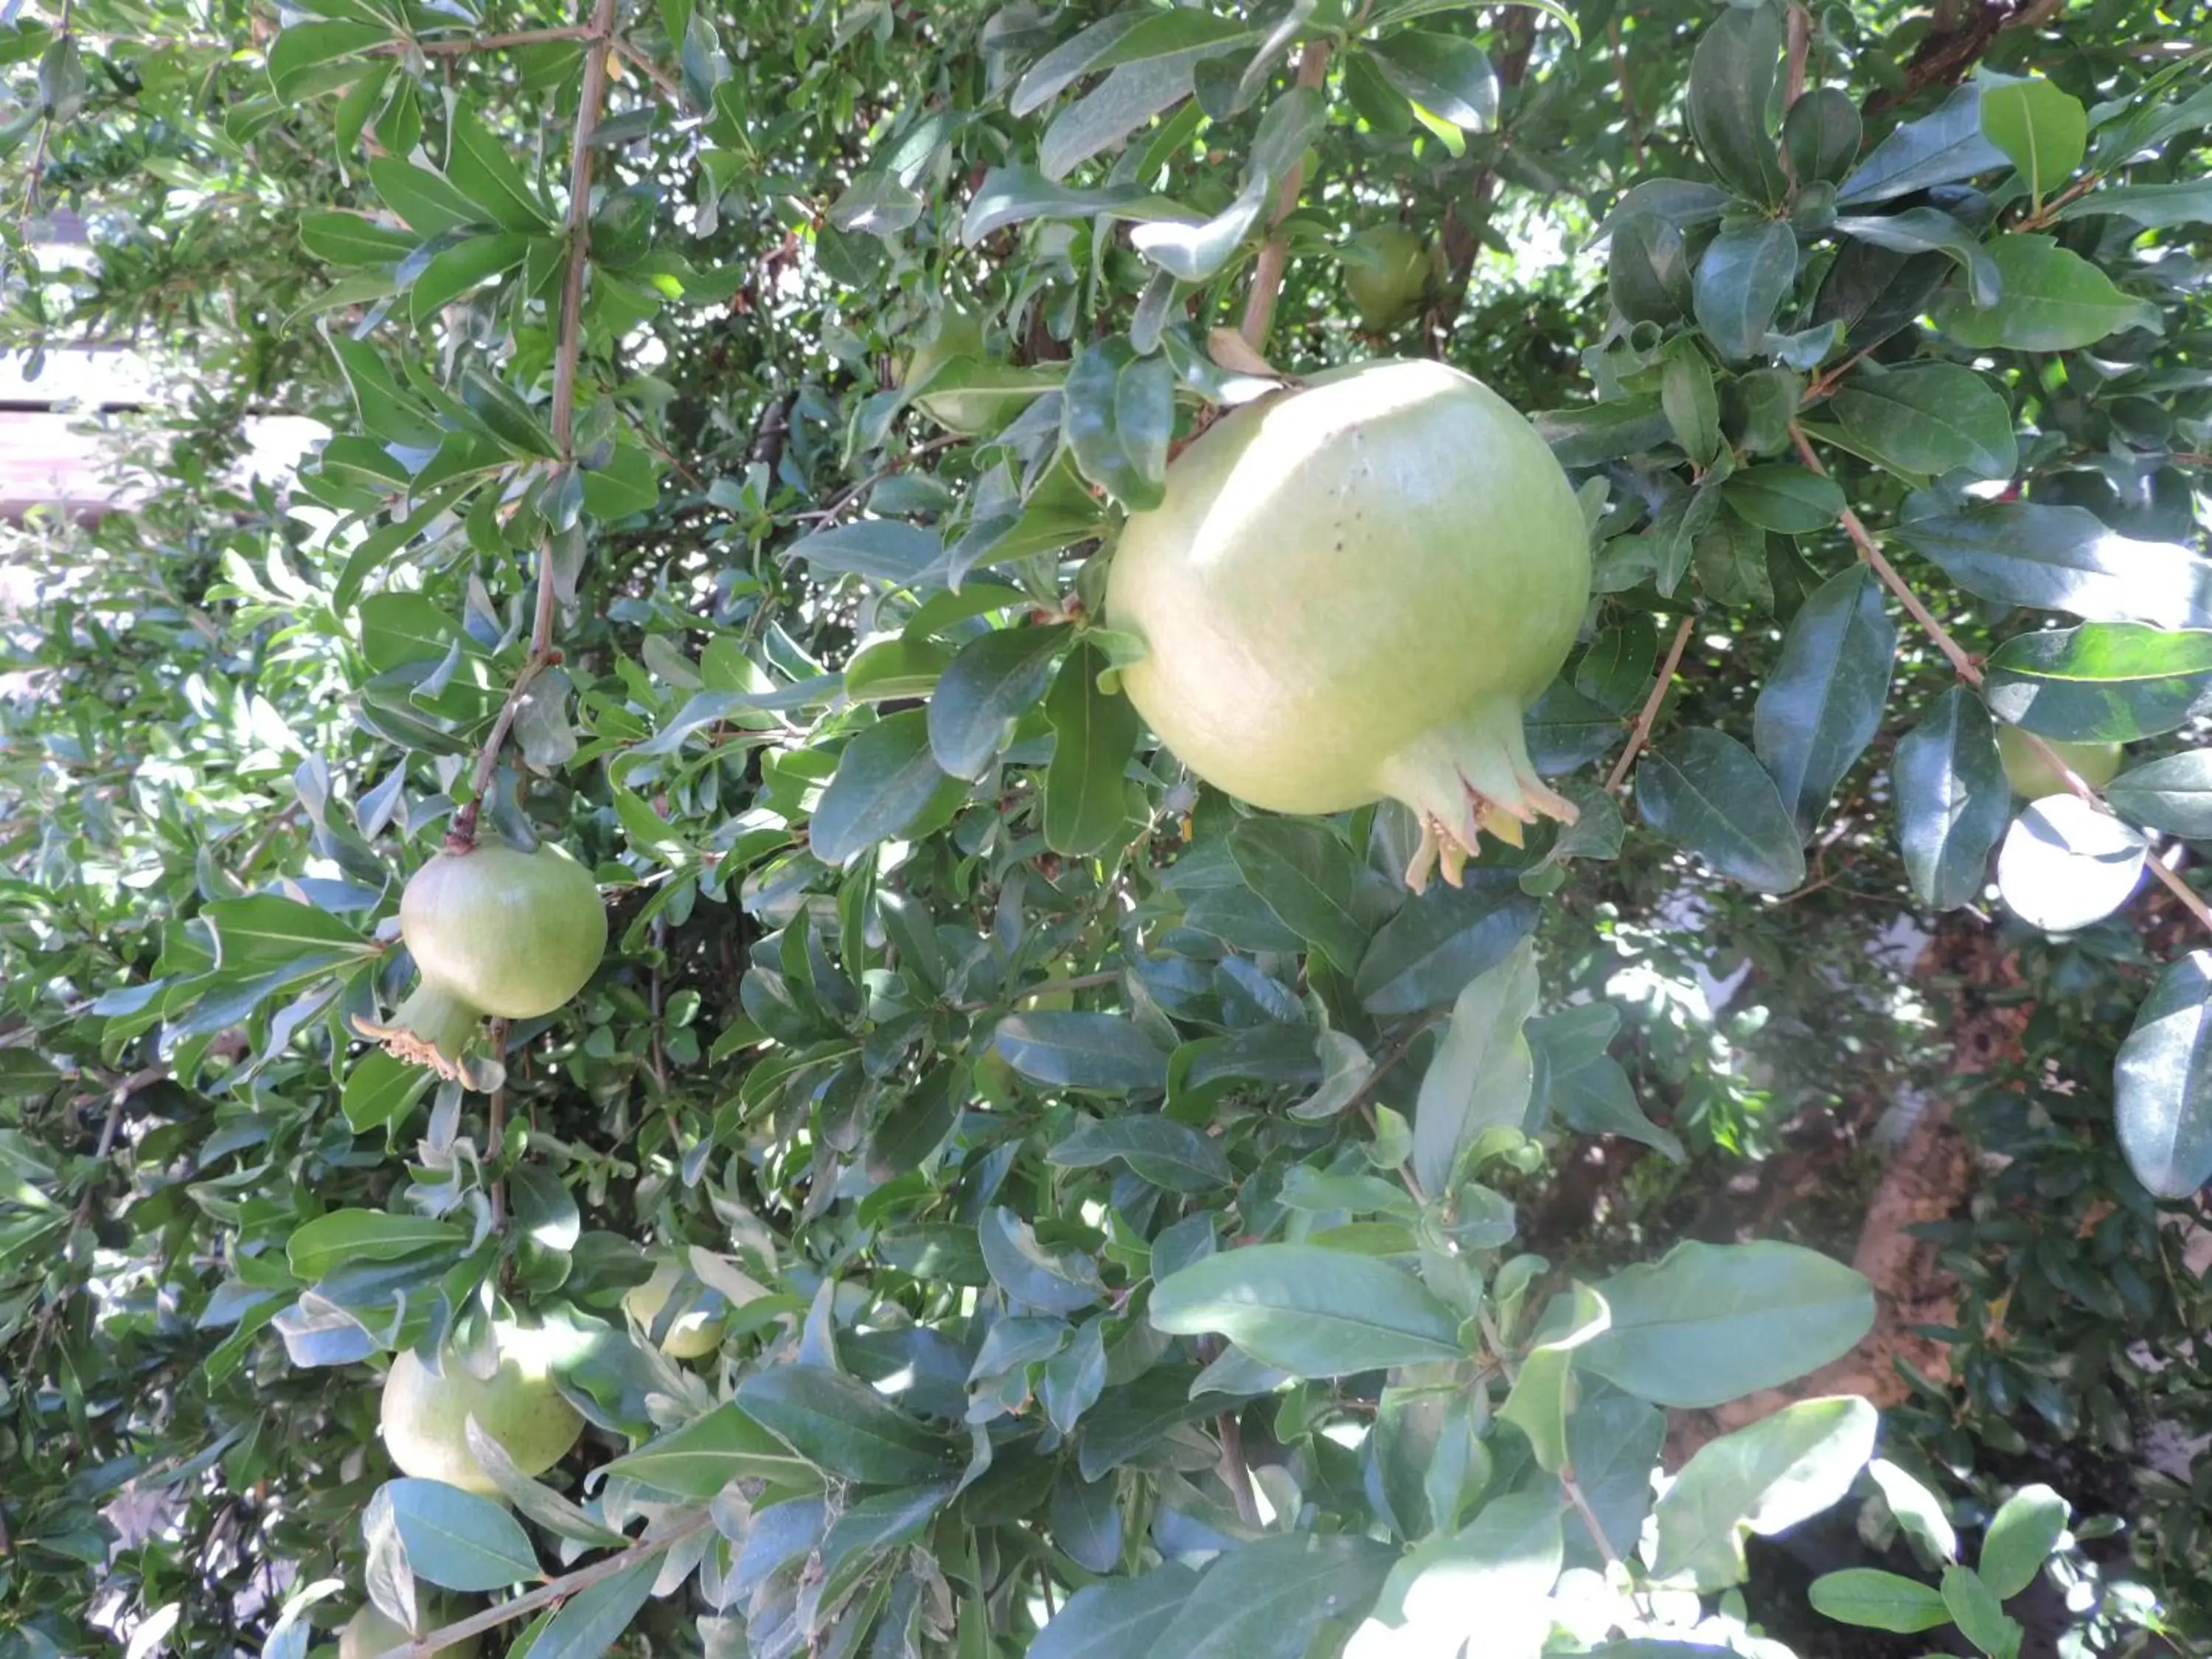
x=558, y=1590
x=1462, y=235
x=591, y=101
x=1642, y=734
x=1963, y=664
x=1274, y=258
x=455, y=48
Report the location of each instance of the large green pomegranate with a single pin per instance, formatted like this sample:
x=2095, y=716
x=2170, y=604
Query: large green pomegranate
x=2033, y=777
x=1354, y=589
x=425, y=1415
x=494, y=930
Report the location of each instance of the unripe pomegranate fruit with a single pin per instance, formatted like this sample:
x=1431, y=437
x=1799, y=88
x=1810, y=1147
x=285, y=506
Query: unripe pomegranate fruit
x=425, y=1417
x=2033, y=777
x=1354, y=589
x=1387, y=274
x=494, y=930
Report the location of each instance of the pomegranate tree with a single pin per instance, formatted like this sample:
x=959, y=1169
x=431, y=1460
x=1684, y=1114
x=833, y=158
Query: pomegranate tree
x=1354, y=589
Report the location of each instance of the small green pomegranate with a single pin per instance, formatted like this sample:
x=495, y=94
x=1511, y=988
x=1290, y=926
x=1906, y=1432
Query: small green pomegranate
x=495, y=931
x=1387, y=274
x=1354, y=589
x=2033, y=777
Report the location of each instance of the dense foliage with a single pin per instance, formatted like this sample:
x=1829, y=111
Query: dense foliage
x=1114, y=1214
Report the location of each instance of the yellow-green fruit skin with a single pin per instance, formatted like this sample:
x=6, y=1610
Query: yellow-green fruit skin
x=368, y=1633
x=511, y=933
x=693, y=1333
x=2033, y=777
x=426, y=1418
x=1353, y=590
x=1386, y=285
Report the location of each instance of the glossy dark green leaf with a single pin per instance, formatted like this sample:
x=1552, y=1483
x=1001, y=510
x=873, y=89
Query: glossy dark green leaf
x=1425, y=954
x=1693, y=404
x=479, y=165
x=1822, y=703
x=699, y=1459
x=1978, y=1613
x=1648, y=268
x=1194, y=254
x=1014, y=195
x=886, y=779
x=592, y=1621
x=1876, y=1600
x=2043, y=129
x=463, y=267
x=1616, y=670
x=1116, y=1617
x=1481, y=1074
x=2154, y=207
x=1821, y=134
x=302, y=52
x=994, y=680
x=1732, y=76
x=338, y=1237
x=1066, y=1050
x=2021, y=1535
x=841, y=1426
x=1929, y=230
x=426, y=200
x=1269, y=1598
x=353, y=238
x=262, y=931
x=1308, y=1311
x=1928, y=418
x=1742, y=278
x=1706, y=792
x=1103, y=116
x=1604, y=431
x=1094, y=734
x=2101, y=682
x=1447, y=74
x=1566, y=729
x=1711, y=1322
x=2173, y=794
x=1952, y=800
x=1060, y=1280
x=882, y=549
x=1170, y=1155
x=1118, y=410
x=2162, y=1081
x=460, y=1540
x=1306, y=876
x=2063, y=558
x=2054, y=301
x=1935, y=149
x=1783, y=497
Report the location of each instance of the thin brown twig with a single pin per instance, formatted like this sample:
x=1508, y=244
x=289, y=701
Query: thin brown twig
x=557, y=1589
x=2049, y=211
x=481, y=42
x=1799, y=51
x=1267, y=269
x=1628, y=116
x=1968, y=670
x=845, y=497
x=495, y=1125
x=652, y=71
x=1642, y=734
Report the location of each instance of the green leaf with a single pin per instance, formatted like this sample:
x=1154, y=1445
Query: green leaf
x=628, y=481
x=2173, y=794
x=1482, y=1072
x=886, y=780
x=2062, y=558
x=1708, y=1323
x=386, y=412
x=1704, y=792
x=1936, y=150
x=1763, y=1480
x=1732, y=75
x=1117, y=413
x=2045, y=130
x=705, y=1455
x=1915, y=1509
x=304, y=49
x=1446, y=75
x=1116, y=1617
x=1616, y=670
x=993, y=680
x=841, y=1426
x=331, y=1242
x=1171, y=1155
x=426, y=200
x=1308, y=1311
x=1821, y=134
x=1195, y=253
x=2162, y=1081
x=1929, y=230
x=2152, y=207
x=1928, y=419
x=1692, y=406
x=1306, y=876
x=1604, y=431
x=1269, y=1598
x=2100, y=682
x=1743, y=279
x=2022, y=1536
x=1566, y=730
x=1094, y=734
x=1544, y=1393
x=380, y=1090
x=1878, y=1601
x=1014, y=195
x=591, y=1621
x=1103, y=117
x=1783, y=497
x=2054, y=301
x=262, y=932
x=1980, y=1615
x=477, y=165
x=1952, y=800
x=354, y=239
x=1822, y=704
x=1423, y=956
x=1059, y=1281
x=1067, y=1050
x=2065, y=865
x=460, y=1540
x=461, y=268
x=881, y=549
x=1500, y=1567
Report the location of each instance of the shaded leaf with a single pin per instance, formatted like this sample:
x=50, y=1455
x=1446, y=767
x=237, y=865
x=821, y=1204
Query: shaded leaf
x=1703, y=791
x=1953, y=801
x=1822, y=704
x=2162, y=1081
